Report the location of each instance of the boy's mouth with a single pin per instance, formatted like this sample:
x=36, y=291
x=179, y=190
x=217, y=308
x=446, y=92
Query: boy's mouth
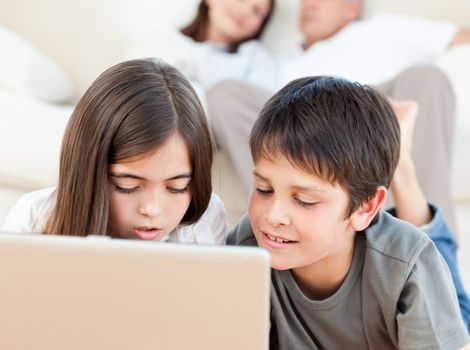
x=276, y=241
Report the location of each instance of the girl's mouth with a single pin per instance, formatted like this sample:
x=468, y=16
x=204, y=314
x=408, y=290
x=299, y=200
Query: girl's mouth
x=147, y=233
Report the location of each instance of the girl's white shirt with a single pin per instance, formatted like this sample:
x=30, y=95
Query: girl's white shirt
x=28, y=215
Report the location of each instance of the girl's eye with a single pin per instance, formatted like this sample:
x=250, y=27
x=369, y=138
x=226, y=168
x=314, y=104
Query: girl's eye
x=177, y=190
x=304, y=203
x=264, y=192
x=125, y=190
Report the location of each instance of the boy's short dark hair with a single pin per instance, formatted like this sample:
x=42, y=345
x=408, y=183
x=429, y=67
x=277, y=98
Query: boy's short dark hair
x=342, y=131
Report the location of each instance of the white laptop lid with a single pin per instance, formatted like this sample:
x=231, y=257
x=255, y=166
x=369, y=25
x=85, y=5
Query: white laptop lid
x=101, y=293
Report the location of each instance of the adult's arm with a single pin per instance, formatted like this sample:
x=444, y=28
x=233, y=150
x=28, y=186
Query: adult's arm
x=462, y=37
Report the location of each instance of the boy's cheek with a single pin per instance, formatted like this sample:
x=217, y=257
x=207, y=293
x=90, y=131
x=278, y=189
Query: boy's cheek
x=254, y=207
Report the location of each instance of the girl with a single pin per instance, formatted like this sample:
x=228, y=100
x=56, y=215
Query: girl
x=220, y=43
x=135, y=163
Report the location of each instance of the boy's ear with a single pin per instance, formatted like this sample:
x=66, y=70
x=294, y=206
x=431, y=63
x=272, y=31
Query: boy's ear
x=362, y=217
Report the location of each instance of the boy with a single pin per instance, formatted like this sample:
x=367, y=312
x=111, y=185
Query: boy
x=345, y=275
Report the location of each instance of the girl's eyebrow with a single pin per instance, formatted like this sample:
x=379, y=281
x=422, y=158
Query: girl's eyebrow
x=125, y=176
x=181, y=176
x=133, y=176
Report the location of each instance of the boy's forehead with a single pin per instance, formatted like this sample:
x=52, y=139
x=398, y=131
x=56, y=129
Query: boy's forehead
x=279, y=169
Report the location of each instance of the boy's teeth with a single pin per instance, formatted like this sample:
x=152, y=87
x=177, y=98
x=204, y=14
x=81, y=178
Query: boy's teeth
x=277, y=239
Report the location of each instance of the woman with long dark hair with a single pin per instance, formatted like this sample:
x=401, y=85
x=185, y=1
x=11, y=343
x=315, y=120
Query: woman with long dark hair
x=221, y=42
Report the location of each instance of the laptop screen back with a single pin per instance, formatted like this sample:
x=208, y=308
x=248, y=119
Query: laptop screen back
x=101, y=293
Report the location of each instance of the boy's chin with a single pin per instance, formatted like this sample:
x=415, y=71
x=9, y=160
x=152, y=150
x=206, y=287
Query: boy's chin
x=280, y=265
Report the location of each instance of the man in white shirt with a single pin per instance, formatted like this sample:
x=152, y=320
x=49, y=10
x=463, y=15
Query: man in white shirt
x=368, y=51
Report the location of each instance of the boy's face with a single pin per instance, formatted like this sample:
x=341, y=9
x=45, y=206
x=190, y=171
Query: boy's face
x=298, y=217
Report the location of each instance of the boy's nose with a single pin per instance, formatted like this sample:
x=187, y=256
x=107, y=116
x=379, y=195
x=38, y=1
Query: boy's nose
x=277, y=216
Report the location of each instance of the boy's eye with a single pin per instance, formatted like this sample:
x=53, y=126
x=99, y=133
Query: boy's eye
x=305, y=203
x=125, y=190
x=177, y=190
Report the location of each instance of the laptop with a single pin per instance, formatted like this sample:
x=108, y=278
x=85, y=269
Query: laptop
x=89, y=293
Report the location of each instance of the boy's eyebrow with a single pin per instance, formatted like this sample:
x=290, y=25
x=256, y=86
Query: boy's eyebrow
x=312, y=188
x=309, y=188
x=133, y=176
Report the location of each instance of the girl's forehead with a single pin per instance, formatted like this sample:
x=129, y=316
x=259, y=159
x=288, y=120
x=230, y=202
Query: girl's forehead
x=173, y=144
x=166, y=161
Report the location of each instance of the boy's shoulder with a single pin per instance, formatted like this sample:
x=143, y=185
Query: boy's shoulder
x=395, y=239
x=242, y=233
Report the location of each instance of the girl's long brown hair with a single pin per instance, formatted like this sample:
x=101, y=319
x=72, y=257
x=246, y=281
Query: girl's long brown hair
x=197, y=29
x=130, y=109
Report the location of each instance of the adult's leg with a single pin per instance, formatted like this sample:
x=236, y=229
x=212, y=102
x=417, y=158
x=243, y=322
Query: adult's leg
x=433, y=134
x=233, y=107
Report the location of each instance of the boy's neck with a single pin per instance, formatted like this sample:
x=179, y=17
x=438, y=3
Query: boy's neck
x=323, y=278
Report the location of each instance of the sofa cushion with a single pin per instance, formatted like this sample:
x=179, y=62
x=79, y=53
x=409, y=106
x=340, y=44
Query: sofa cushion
x=31, y=134
x=27, y=71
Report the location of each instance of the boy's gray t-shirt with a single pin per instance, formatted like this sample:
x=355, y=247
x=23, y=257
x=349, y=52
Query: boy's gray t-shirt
x=398, y=293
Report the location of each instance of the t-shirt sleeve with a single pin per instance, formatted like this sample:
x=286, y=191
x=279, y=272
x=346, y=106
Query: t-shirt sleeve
x=19, y=218
x=211, y=228
x=428, y=315
x=219, y=222
x=242, y=234
x=29, y=213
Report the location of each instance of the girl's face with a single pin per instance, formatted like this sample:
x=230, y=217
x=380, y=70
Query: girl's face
x=231, y=21
x=149, y=195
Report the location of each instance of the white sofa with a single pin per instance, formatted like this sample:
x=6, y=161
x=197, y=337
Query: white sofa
x=85, y=37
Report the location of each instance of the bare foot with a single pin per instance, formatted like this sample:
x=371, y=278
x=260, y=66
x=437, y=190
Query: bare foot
x=406, y=112
x=410, y=202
